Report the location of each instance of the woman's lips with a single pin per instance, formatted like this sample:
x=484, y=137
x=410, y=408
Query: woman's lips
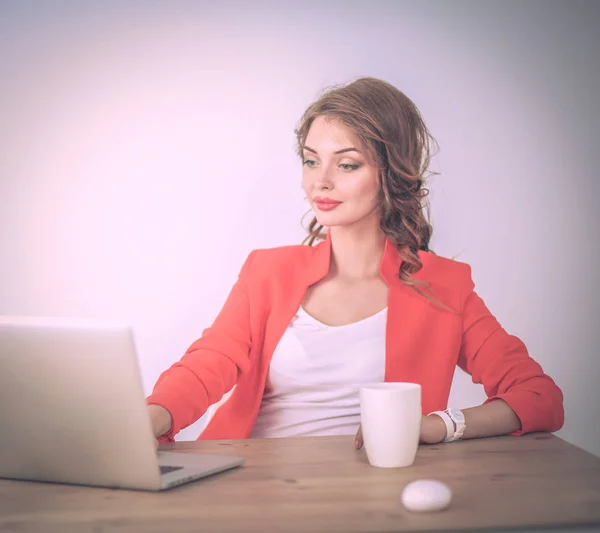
x=326, y=204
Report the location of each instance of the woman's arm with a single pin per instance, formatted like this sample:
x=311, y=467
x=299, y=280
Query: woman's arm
x=502, y=364
x=521, y=397
x=208, y=370
x=489, y=420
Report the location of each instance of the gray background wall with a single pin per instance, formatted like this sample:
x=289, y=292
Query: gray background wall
x=139, y=143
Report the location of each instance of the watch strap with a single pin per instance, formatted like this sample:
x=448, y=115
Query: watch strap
x=455, y=423
x=448, y=421
x=459, y=419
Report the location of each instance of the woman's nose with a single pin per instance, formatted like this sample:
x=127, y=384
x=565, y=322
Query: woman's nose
x=323, y=179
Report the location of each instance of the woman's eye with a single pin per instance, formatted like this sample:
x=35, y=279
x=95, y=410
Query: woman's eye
x=347, y=167
x=309, y=162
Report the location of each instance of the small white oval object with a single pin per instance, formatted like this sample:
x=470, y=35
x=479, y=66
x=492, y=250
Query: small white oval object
x=426, y=495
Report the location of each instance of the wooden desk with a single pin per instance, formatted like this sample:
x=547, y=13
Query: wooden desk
x=322, y=484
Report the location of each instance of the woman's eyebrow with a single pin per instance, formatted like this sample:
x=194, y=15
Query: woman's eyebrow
x=343, y=150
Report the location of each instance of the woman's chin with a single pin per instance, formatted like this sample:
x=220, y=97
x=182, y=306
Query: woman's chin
x=327, y=221
x=330, y=219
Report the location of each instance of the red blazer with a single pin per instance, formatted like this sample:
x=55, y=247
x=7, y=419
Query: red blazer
x=424, y=343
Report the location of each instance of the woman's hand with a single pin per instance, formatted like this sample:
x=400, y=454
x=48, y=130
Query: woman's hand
x=433, y=431
x=160, y=419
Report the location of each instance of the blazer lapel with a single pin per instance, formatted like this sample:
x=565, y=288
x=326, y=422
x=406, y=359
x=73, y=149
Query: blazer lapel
x=291, y=293
x=403, y=319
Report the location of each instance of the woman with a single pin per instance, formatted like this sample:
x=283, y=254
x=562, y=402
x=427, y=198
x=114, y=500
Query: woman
x=364, y=301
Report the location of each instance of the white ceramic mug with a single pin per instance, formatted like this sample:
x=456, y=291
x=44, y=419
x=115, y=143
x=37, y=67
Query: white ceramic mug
x=390, y=417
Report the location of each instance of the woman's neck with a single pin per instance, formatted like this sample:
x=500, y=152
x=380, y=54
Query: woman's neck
x=356, y=252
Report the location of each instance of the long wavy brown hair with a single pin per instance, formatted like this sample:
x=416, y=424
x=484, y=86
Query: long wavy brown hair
x=391, y=128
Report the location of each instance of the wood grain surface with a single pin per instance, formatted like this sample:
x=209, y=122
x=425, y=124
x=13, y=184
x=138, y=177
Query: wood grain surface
x=324, y=485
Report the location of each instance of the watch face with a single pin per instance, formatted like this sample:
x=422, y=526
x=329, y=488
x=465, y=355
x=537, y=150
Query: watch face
x=456, y=414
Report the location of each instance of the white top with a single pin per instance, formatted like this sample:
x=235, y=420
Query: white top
x=315, y=372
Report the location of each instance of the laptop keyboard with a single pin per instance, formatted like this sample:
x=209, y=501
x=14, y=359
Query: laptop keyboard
x=167, y=469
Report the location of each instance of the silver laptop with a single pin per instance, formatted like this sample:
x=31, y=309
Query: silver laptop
x=73, y=410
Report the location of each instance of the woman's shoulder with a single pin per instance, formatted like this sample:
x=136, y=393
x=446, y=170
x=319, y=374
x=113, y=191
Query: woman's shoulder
x=450, y=280
x=283, y=254
x=444, y=267
x=298, y=256
x=269, y=261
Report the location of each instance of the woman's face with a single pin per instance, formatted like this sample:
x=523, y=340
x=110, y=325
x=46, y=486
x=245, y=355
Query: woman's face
x=338, y=178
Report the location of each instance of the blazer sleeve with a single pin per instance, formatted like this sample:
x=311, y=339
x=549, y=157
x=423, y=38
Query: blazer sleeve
x=211, y=365
x=502, y=364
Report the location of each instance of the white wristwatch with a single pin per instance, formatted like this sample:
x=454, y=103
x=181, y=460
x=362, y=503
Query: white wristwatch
x=455, y=423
